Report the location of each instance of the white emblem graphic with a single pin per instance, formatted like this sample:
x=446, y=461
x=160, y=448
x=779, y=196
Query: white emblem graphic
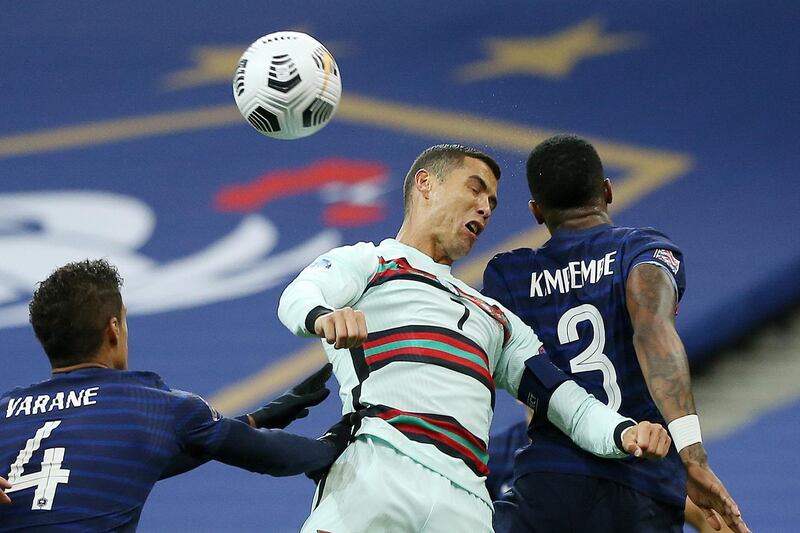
x=40, y=231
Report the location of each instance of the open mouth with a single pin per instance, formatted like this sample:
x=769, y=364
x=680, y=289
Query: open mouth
x=474, y=228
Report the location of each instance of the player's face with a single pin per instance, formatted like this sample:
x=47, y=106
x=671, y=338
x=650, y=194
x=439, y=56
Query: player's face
x=121, y=354
x=460, y=208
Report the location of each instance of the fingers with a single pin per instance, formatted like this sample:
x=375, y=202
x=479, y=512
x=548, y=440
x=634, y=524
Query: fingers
x=646, y=440
x=344, y=328
x=315, y=381
x=301, y=414
x=316, y=397
x=712, y=519
x=4, y=499
x=707, y=492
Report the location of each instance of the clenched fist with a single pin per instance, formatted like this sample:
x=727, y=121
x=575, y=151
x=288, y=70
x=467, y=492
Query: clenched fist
x=646, y=440
x=344, y=328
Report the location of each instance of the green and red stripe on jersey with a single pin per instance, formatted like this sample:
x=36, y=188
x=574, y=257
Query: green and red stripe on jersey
x=392, y=269
x=444, y=432
x=493, y=311
x=430, y=345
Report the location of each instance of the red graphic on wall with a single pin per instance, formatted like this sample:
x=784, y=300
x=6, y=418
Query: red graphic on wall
x=351, y=190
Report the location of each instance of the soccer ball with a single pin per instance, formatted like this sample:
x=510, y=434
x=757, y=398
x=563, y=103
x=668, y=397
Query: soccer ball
x=287, y=85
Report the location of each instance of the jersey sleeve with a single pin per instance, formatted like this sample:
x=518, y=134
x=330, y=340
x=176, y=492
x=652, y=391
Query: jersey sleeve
x=522, y=345
x=204, y=435
x=649, y=246
x=200, y=428
x=334, y=280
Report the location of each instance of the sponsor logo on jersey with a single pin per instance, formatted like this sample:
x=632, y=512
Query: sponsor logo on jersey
x=668, y=258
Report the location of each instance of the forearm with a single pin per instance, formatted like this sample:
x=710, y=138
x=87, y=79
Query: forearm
x=273, y=452
x=666, y=370
x=299, y=299
x=589, y=423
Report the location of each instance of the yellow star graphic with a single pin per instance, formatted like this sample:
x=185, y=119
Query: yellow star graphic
x=552, y=56
x=212, y=64
x=216, y=64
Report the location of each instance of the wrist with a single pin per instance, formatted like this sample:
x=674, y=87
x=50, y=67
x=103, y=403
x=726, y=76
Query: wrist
x=313, y=315
x=619, y=430
x=694, y=455
x=685, y=431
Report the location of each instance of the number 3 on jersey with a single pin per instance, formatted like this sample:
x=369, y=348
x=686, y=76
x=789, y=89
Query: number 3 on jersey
x=592, y=358
x=45, y=480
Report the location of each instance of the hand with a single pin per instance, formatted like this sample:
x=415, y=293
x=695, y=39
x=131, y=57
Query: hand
x=344, y=328
x=4, y=499
x=339, y=436
x=294, y=403
x=707, y=492
x=646, y=440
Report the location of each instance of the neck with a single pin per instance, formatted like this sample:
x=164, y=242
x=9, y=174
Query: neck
x=423, y=242
x=91, y=364
x=580, y=218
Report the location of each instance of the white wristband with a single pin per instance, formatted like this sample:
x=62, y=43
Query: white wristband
x=685, y=431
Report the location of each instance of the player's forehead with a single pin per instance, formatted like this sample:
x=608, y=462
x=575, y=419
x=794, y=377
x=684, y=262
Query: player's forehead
x=476, y=169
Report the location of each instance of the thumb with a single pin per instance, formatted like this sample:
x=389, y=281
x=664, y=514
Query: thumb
x=712, y=519
x=629, y=442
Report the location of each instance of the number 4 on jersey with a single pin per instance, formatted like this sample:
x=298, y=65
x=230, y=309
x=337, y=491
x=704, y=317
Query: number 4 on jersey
x=45, y=480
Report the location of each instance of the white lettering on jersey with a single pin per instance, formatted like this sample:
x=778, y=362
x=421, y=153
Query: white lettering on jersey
x=44, y=403
x=573, y=276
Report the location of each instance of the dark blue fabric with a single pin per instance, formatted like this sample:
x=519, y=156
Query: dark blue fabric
x=117, y=441
x=568, y=503
x=593, y=266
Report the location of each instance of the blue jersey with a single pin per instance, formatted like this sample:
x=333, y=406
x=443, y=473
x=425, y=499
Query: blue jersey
x=83, y=449
x=571, y=291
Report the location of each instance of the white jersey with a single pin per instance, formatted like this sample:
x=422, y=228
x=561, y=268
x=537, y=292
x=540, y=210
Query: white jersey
x=436, y=351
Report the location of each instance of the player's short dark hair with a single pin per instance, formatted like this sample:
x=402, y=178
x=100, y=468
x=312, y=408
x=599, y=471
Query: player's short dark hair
x=565, y=171
x=439, y=160
x=70, y=310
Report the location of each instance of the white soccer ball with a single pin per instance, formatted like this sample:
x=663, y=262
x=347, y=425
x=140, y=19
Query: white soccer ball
x=287, y=85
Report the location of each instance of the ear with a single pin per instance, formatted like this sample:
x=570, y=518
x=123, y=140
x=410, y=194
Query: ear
x=608, y=195
x=423, y=181
x=536, y=211
x=113, y=331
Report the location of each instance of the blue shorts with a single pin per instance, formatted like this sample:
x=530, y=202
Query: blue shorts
x=567, y=503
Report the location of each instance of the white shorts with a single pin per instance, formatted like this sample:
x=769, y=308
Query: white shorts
x=372, y=488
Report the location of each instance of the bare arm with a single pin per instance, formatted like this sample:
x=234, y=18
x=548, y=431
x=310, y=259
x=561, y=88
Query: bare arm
x=651, y=302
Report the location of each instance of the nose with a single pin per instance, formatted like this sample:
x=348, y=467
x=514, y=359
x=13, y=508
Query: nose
x=485, y=208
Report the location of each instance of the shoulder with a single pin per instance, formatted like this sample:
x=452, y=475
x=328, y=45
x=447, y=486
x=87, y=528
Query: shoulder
x=141, y=377
x=189, y=405
x=643, y=235
x=510, y=259
x=357, y=253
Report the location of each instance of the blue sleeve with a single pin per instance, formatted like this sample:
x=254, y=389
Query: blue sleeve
x=494, y=284
x=272, y=451
x=199, y=427
x=204, y=434
x=539, y=380
x=647, y=245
